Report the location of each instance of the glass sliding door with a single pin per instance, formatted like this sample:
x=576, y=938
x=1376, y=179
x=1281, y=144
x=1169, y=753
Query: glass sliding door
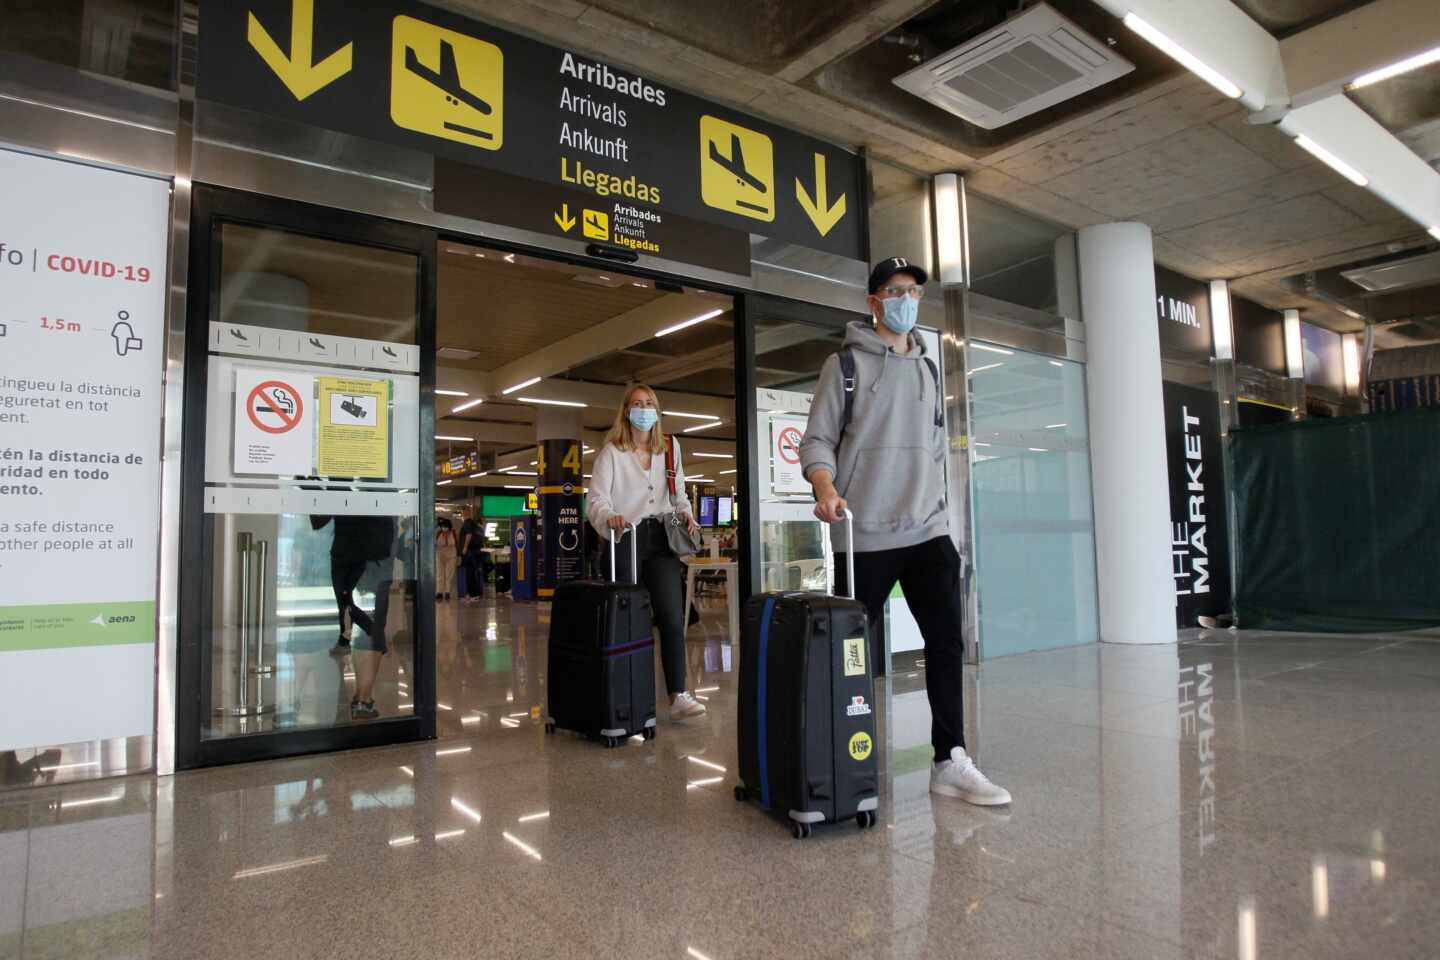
x=300, y=623
x=1030, y=478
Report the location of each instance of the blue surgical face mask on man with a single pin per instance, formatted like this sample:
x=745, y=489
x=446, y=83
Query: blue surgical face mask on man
x=643, y=418
x=901, y=313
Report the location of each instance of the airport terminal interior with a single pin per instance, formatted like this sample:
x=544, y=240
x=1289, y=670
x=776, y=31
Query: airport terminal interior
x=317, y=316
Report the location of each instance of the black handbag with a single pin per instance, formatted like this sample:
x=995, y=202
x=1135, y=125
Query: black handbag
x=677, y=525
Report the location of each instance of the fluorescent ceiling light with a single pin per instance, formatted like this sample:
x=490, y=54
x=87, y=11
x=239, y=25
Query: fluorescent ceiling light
x=517, y=486
x=1038, y=450
x=404, y=841
x=724, y=472
x=985, y=346
x=91, y=801
x=443, y=483
x=714, y=456
x=1055, y=426
x=689, y=323
x=1184, y=57
x=469, y=811
x=524, y=473
x=692, y=416
x=697, y=479
x=466, y=406
x=1056, y=363
x=476, y=476
x=450, y=393
x=521, y=386
x=988, y=366
x=452, y=751
x=529, y=817
x=455, y=439
x=521, y=844
x=703, y=426
x=508, y=469
x=1332, y=161
x=449, y=834
x=553, y=403
x=1395, y=69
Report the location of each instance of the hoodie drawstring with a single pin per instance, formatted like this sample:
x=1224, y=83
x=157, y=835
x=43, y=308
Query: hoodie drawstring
x=884, y=365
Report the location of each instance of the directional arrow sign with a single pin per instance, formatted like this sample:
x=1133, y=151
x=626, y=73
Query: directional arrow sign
x=297, y=72
x=822, y=216
x=563, y=220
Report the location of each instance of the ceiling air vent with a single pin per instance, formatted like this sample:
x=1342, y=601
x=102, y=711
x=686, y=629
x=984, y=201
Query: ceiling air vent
x=1397, y=274
x=1028, y=63
x=456, y=353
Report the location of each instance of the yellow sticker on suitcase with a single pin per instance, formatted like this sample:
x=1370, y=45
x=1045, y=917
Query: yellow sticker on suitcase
x=860, y=746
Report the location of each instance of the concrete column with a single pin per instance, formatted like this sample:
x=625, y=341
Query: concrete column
x=1127, y=434
x=557, y=423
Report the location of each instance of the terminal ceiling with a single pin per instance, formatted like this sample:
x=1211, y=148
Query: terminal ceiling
x=1226, y=198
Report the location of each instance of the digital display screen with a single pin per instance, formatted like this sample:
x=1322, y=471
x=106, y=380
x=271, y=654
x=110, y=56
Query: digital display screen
x=707, y=511
x=726, y=510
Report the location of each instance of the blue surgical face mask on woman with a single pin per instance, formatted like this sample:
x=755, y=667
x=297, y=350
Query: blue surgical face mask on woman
x=901, y=313
x=643, y=418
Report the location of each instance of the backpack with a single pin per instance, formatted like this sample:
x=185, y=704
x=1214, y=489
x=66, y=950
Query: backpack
x=847, y=383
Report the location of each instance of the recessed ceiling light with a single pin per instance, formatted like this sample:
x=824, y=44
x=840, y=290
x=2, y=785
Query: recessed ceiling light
x=1183, y=56
x=552, y=403
x=1395, y=69
x=703, y=426
x=450, y=393
x=692, y=416
x=520, y=386
x=689, y=323
x=466, y=406
x=455, y=439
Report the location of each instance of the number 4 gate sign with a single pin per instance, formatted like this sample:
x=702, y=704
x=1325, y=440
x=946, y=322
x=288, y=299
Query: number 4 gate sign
x=274, y=423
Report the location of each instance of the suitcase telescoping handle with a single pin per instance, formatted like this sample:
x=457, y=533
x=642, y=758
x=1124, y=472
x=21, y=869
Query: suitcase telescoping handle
x=634, y=553
x=850, y=551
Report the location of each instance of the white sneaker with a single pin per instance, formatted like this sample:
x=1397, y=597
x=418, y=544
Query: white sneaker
x=959, y=777
x=686, y=707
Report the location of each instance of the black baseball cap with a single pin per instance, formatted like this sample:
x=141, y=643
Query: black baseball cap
x=886, y=269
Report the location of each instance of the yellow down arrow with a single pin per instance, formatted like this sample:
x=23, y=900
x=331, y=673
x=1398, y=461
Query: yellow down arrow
x=296, y=71
x=563, y=220
x=823, y=217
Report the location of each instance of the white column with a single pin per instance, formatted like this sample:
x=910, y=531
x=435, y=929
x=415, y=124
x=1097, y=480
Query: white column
x=1127, y=434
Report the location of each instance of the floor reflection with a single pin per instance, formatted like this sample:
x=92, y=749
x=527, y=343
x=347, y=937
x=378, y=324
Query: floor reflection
x=1239, y=795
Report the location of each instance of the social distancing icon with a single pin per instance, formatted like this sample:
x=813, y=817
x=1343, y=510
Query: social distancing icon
x=447, y=84
x=596, y=225
x=737, y=169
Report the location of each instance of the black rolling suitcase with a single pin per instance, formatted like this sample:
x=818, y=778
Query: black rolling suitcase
x=806, y=726
x=602, y=657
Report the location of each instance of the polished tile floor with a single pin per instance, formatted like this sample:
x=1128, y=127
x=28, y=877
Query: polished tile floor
x=1241, y=795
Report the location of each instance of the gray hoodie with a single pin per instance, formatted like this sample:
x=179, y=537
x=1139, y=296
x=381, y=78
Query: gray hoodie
x=890, y=467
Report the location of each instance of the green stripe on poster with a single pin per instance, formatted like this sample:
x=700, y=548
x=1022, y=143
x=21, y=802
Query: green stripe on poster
x=61, y=625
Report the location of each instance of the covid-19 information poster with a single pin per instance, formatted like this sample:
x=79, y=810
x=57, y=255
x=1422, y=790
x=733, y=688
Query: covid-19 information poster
x=82, y=307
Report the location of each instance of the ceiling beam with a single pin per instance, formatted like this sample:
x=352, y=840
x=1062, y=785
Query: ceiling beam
x=1321, y=60
x=871, y=23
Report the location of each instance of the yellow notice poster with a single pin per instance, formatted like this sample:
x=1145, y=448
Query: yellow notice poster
x=354, y=428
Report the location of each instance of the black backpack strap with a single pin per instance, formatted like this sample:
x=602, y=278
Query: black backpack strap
x=939, y=400
x=847, y=383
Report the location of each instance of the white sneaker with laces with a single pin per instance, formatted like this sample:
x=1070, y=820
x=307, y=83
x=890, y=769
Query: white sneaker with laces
x=959, y=777
x=686, y=707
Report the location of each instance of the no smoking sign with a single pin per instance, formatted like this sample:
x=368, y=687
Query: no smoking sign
x=275, y=407
x=274, y=435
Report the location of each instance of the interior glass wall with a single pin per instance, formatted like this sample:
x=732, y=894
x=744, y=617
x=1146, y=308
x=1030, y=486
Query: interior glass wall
x=1034, y=526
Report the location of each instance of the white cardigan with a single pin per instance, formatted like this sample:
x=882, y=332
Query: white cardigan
x=618, y=484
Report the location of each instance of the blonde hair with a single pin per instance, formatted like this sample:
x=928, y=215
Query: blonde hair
x=619, y=434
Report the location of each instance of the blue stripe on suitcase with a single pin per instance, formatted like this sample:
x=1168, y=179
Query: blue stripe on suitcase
x=629, y=646
x=761, y=696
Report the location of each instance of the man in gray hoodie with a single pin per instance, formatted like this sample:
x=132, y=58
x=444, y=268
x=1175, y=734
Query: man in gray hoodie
x=876, y=442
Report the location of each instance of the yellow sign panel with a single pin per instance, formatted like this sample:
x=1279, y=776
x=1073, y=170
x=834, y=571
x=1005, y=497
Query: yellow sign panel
x=446, y=84
x=737, y=169
x=860, y=746
x=596, y=225
x=354, y=428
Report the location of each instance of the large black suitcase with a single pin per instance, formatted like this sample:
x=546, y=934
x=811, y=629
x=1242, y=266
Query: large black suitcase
x=602, y=657
x=806, y=725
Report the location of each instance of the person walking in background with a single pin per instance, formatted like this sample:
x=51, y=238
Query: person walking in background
x=361, y=551
x=876, y=443
x=447, y=558
x=632, y=484
x=472, y=539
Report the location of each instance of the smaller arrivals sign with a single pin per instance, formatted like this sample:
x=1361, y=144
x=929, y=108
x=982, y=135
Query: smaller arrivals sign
x=1199, y=541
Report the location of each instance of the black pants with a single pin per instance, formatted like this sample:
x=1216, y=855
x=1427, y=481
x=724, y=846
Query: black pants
x=345, y=575
x=929, y=573
x=662, y=574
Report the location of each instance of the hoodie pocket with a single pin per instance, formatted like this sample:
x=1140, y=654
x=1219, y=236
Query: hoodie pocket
x=895, y=488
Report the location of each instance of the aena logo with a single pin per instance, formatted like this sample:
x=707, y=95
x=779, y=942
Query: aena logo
x=101, y=620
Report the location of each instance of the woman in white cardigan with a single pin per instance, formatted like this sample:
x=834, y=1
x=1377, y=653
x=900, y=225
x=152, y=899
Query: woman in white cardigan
x=631, y=485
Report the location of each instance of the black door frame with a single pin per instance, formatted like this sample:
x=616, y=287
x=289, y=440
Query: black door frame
x=212, y=207
x=758, y=307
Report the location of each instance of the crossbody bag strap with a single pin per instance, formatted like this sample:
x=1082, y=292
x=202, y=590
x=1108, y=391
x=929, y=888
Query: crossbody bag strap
x=670, y=463
x=939, y=400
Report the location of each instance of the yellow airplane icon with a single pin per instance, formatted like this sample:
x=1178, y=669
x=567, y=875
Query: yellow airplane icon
x=596, y=225
x=737, y=169
x=447, y=84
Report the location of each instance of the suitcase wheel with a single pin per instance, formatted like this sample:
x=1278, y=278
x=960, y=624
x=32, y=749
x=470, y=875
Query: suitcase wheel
x=612, y=742
x=741, y=793
x=649, y=733
x=799, y=830
x=550, y=726
x=865, y=819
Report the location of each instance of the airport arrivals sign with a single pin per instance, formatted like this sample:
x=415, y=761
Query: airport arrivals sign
x=432, y=80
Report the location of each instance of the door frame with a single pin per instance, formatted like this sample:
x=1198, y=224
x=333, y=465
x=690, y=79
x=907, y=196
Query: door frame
x=211, y=208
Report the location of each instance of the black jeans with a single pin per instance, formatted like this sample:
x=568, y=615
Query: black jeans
x=929, y=573
x=662, y=575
